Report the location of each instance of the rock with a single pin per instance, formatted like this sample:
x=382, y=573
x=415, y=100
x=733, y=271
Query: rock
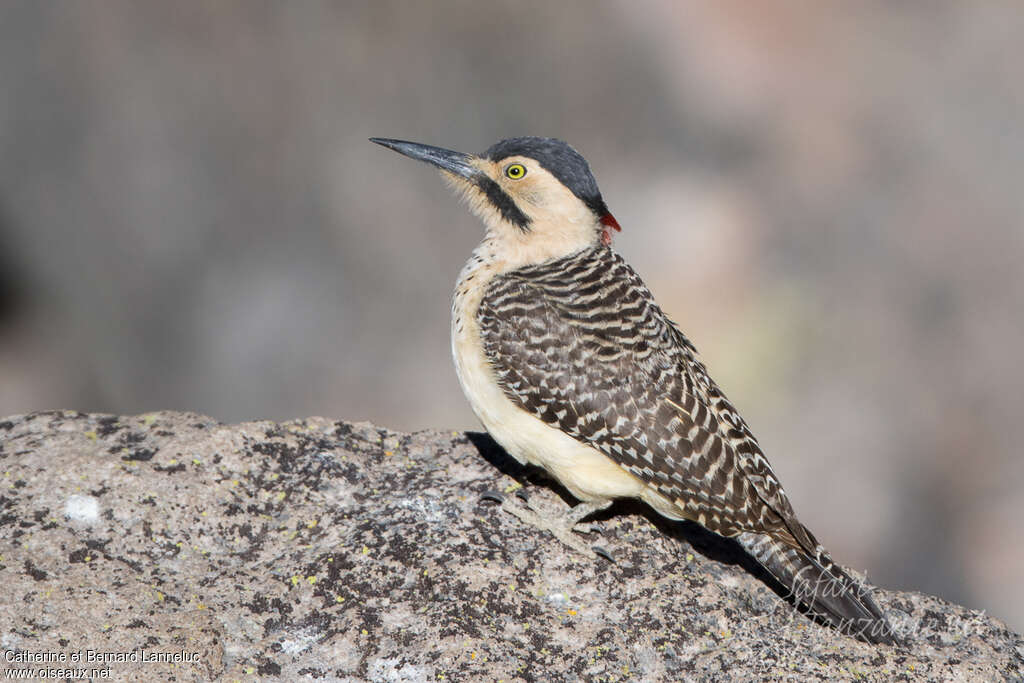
x=170, y=546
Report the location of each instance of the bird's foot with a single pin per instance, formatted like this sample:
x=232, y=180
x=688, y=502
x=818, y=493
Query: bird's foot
x=561, y=524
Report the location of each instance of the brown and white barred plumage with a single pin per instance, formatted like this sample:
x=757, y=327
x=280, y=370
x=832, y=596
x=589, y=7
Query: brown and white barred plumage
x=579, y=343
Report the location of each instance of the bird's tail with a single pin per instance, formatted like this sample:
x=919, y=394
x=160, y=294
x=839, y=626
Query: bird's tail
x=822, y=587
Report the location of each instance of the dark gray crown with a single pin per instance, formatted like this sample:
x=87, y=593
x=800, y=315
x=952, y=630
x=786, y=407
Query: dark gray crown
x=560, y=160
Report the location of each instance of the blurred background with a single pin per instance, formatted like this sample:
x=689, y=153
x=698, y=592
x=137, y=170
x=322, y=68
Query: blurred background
x=827, y=197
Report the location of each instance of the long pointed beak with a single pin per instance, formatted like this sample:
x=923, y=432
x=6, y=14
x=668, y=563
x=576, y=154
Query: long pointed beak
x=456, y=163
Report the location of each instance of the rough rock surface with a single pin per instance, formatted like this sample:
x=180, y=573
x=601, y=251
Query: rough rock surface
x=330, y=550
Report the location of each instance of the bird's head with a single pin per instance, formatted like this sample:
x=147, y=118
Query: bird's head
x=535, y=195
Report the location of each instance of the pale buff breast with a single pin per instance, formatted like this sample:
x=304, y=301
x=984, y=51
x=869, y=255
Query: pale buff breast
x=584, y=471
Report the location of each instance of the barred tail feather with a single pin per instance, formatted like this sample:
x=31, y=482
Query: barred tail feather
x=822, y=587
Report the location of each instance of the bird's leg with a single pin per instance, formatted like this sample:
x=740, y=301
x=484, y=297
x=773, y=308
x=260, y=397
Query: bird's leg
x=561, y=525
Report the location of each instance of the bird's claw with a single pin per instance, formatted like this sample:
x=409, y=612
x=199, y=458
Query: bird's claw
x=565, y=526
x=494, y=496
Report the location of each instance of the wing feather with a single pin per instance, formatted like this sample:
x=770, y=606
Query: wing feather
x=580, y=344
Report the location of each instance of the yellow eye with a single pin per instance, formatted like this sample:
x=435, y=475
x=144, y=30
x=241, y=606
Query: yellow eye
x=515, y=171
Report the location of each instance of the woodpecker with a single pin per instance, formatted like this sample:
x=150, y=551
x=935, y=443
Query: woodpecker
x=570, y=365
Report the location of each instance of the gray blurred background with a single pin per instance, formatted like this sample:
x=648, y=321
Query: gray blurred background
x=828, y=198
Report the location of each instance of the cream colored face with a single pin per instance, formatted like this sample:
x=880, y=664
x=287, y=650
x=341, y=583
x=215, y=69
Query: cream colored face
x=560, y=223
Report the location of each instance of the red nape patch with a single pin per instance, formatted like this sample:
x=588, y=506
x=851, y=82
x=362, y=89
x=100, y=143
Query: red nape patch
x=609, y=223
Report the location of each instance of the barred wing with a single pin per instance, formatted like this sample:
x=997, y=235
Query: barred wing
x=580, y=344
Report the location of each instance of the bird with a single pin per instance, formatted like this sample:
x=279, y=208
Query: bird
x=571, y=365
